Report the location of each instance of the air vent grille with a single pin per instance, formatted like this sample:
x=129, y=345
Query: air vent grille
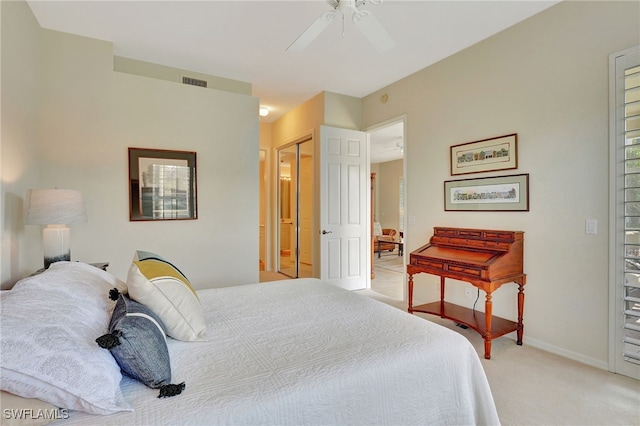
x=194, y=81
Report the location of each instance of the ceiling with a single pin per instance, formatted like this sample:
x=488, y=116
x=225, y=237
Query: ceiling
x=247, y=40
x=387, y=143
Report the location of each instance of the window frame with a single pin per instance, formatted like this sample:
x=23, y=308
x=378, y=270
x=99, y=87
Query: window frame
x=618, y=62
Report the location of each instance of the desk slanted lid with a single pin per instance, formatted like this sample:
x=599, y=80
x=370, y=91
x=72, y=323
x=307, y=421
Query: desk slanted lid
x=458, y=255
x=478, y=254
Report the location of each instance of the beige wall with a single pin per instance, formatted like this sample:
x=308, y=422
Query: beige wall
x=20, y=49
x=375, y=168
x=325, y=108
x=146, y=69
x=303, y=120
x=388, y=193
x=342, y=111
x=87, y=117
x=546, y=79
x=265, y=188
x=265, y=193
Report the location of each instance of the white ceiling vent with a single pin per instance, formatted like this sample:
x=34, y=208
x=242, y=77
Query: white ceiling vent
x=194, y=81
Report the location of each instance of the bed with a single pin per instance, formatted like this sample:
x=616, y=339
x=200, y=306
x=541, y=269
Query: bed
x=290, y=352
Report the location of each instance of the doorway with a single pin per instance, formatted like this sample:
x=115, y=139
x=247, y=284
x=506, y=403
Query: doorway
x=387, y=158
x=295, y=209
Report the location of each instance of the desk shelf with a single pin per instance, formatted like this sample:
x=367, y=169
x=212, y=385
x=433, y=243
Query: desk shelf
x=475, y=320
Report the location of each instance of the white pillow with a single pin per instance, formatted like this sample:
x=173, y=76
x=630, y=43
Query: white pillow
x=161, y=287
x=49, y=324
x=19, y=411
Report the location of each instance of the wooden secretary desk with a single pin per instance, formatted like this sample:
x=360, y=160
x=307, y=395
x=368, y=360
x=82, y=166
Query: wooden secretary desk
x=487, y=259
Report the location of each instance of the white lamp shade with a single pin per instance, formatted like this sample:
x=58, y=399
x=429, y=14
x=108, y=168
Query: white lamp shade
x=54, y=206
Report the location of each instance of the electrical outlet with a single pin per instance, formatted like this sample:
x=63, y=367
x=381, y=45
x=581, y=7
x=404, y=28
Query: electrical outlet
x=469, y=292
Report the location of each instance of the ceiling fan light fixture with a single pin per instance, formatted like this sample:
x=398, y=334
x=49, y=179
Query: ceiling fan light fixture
x=368, y=25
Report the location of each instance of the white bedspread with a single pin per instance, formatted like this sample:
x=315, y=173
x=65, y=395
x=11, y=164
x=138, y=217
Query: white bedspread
x=301, y=352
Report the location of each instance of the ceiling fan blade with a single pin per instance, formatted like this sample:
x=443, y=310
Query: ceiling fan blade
x=373, y=31
x=310, y=34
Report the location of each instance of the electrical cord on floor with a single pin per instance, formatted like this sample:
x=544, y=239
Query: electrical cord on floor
x=477, y=297
x=474, y=310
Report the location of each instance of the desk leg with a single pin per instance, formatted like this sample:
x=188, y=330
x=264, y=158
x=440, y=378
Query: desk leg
x=520, y=326
x=410, y=295
x=442, y=294
x=488, y=313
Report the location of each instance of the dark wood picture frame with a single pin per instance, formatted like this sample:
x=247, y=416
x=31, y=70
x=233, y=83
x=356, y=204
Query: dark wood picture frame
x=495, y=194
x=486, y=155
x=162, y=185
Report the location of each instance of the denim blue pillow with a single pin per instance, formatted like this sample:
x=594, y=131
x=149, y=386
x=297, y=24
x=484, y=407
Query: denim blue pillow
x=138, y=343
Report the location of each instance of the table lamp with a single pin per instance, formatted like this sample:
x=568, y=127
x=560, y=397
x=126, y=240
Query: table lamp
x=55, y=208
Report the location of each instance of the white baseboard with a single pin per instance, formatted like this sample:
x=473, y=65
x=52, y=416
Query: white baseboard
x=603, y=365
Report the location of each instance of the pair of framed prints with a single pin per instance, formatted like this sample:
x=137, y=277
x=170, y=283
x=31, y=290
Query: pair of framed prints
x=496, y=193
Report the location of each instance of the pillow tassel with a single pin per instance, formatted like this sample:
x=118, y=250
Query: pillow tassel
x=171, y=390
x=114, y=294
x=110, y=340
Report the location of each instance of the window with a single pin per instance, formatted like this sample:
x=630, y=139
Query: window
x=624, y=356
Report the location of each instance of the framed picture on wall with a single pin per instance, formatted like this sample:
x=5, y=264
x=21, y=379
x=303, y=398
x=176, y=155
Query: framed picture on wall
x=499, y=153
x=162, y=185
x=496, y=194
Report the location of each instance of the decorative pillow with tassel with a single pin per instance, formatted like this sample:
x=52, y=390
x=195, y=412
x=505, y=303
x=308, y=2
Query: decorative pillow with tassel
x=137, y=341
x=160, y=286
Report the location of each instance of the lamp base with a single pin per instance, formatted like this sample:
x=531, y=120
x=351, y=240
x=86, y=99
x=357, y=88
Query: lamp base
x=56, y=241
x=49, y=260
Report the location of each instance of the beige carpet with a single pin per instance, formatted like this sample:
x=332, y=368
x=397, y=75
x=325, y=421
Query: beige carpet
x=534, y=387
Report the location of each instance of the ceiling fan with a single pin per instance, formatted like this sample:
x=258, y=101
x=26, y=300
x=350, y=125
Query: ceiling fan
x=364, y=20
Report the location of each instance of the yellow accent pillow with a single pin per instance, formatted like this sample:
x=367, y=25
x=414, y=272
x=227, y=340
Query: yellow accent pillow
x=161, y=287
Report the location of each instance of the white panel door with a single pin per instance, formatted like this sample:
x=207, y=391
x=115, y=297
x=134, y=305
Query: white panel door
x=344, y=198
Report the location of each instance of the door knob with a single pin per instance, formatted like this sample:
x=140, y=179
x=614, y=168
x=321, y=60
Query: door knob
x=325, y=232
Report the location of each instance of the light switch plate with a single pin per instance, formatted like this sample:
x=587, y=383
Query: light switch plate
x=591, y=226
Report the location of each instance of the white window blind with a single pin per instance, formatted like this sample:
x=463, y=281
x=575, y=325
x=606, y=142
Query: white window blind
x=624, y=330
x=631, y=284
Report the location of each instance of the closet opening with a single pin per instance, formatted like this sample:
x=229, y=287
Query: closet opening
x=295, y=209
